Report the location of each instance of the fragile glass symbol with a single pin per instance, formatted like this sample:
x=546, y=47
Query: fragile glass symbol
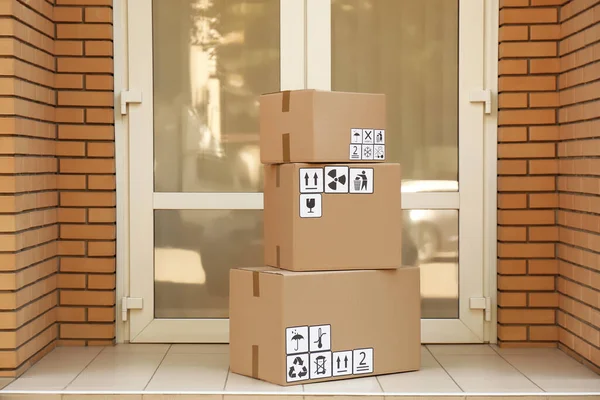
x=310, y=203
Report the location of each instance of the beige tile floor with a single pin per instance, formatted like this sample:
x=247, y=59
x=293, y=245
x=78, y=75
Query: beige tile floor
x=161, y=371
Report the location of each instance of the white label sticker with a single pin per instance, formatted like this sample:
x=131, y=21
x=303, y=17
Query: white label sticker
x=320, y=365
x=296, y=340
x=356, y=136
x=355, y=151
x=297, y=368
x=379, y=136
x=367, y=136
x=320, y=337
x=361, y=180
x=367, y=152
x=379, y=152
x=342, y=363
x=310, y=206
x=336, y=179
x=363, y=361
x=311, y=180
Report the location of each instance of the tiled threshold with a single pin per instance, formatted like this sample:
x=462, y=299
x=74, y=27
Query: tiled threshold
x=162, y=372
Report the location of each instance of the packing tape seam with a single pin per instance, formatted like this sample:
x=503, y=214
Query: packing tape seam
x=255, y=284
x=285, y=147
x=255, y=361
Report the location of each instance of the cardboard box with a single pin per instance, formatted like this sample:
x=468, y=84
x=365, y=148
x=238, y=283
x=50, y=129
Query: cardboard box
x=322, y=126
x=291, y=328
x=328, y=217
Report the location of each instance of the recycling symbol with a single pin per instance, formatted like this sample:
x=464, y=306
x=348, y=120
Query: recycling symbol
x=301, y=367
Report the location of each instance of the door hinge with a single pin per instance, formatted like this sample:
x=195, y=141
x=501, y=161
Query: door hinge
x=129, y=96
x=130, y=303
x=482, y=96
x=482, y=303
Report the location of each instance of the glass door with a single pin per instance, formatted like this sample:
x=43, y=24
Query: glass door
x=198, y=67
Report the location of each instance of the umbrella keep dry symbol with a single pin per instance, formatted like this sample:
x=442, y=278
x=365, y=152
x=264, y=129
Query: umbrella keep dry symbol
x=296, y=338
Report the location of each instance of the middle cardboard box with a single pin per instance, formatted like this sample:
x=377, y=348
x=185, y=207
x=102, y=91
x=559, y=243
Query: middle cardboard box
x=324, y=217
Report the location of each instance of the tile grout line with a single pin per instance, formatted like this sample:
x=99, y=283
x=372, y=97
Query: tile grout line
x=227, y=377
x=157, y=367
x=84, y=368
x=444, y=368
x=518, y=370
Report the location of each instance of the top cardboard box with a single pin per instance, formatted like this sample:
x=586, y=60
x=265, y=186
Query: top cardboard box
x=314, y=126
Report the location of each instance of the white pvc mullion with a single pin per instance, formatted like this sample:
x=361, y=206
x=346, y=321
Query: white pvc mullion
x=318, y=44
x=292, y=44
x=208, y=201
x=430, y=201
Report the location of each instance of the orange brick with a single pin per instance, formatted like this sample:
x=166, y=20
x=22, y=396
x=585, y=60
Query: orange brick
x=103, y=314
x=528, y=15
x=71, y=281
x=101, y=149
x=87, y=331
x=543, y=167
x=71, y=182
x=526, y=150
x=512, y=100
x=87, y=199
x=71, y=248
x=86, y=132
x=526, y=283
x=545, y=66
x=84, y=31
x=526, y=83
x=512, y=167
x=85, y=99
x=512, y=67
x=85, y=65
x=70, y=148
x=85, y=2
x=102, y=182
x=543, y=133
x=71, y=314
x=543, y=333
x=69, y=115
x=101, y=249
x=68, y=14
x=106, y=215
x=97, y=265
x=99, y=115
x=512, y=267
x=526, y=250
x=526, y=183
x=527, y=49
x=545, y=32
x=512, y=234
x=526, y=117
x=69, y=81
x=512, y=134
x=525, y=316
x=543, y=233
x=86, y=165
x=513, y=3
x=510, y=33
x=98, y=14
x=506, y=299
x=99, y=48
x=543, y=299
x=544, y=99
x=543, y=200
x=87, y=232
x=542, y=267
x=68, y=48
x=71, y=215
x=548, y=2
x=87, y=298
x=99, y=82
x=101, y=281
x=511, y=201
x=512, y=333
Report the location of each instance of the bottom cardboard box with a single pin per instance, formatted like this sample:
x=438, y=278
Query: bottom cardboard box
x=293, y=328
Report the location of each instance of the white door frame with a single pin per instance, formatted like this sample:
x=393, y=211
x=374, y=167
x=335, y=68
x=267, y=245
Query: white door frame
x=295, y=76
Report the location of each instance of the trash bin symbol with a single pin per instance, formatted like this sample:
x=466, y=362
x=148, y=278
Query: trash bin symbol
x=357, y=182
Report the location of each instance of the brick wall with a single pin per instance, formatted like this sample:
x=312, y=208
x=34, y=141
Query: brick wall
x=527, y=166
x=28, y=196
x=86, y=184
x=579, y=180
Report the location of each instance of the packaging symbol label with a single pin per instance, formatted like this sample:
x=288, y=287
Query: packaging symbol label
x=367, y=144
x=361, y=180
x=363, y=361
x=342, y=363
x=320, y=365
x=296, y=340
x=320, y=337
x=311, y=180
x=297, y=367
x=336, y=179
x=311, y=205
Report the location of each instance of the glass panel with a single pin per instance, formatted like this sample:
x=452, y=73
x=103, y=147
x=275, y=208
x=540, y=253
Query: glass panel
x=212, y=59
x=407, y=49
x=194, y=250
x=430, y=238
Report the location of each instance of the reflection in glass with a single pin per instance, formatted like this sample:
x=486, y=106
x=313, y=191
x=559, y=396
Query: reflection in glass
x=431, y=240
x=193, y=253
x=212, y=59
x=407, y=49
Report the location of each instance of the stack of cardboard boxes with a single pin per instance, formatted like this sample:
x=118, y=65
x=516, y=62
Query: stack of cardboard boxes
x=333, y=302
